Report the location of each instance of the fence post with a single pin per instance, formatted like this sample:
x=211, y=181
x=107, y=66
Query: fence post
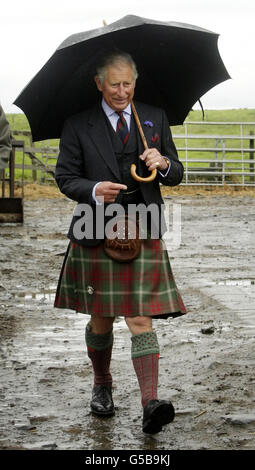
x=12, y=170
x=213, y=164
x=223, y=161
x=34, y=172
x=251, y=156
x=2, y=178
x=186, y=152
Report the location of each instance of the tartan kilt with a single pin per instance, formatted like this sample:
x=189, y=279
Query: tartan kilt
x=92, y=283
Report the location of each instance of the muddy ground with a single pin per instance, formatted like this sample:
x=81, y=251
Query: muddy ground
x=207, y=357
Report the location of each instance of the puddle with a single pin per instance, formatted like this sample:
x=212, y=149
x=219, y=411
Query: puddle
x=44, y=295
x=229, y=282
x=48, y=295
x=49, y=338
x=44, y=299
x=236, y=282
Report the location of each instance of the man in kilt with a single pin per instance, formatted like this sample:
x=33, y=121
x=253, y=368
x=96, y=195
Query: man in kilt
x=97, y=148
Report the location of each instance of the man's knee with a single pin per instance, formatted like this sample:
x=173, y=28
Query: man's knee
x=139, y=324
x=101, y=325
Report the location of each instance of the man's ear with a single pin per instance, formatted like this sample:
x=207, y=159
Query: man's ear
x=98, y=83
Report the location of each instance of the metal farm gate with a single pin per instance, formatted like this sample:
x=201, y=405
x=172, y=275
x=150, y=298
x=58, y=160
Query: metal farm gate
x=218, y=157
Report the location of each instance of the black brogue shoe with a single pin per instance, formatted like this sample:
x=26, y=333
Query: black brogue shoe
x=102, y=403
x=156, y=414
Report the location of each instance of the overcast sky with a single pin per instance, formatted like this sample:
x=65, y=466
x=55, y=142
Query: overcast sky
x=31, y=30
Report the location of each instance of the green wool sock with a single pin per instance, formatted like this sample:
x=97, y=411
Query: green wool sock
x=144, y=343
x=98, y=341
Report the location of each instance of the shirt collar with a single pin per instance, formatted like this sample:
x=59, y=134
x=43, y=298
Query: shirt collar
x=109, y=111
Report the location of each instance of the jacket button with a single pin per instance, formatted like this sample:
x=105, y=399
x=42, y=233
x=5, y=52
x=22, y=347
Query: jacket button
x=90, y=290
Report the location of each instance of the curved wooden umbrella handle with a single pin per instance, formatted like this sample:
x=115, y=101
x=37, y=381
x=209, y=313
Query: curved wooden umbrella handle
x=147, y=179
x=133, y=166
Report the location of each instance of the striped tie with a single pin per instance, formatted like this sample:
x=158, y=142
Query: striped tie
x=122, y=128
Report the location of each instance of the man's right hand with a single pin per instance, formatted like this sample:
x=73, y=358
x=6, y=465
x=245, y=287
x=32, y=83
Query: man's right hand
x=108, y=191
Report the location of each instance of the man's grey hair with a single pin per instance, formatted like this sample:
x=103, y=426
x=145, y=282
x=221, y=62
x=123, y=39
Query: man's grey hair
x=113, y=58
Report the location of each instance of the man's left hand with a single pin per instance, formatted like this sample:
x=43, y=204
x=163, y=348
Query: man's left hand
x=153, y=159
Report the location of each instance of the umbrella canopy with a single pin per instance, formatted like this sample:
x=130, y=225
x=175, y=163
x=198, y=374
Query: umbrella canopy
x=177, y=64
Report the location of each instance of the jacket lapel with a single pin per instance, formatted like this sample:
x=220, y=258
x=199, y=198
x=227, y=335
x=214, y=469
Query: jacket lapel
x=101, y=138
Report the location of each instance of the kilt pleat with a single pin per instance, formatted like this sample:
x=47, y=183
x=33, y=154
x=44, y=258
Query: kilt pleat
x=92, y=283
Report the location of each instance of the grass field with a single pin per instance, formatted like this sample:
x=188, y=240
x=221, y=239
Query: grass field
x=18, y=122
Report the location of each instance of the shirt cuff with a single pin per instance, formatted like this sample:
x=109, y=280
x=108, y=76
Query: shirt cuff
x=166, y=171
x=98, y=203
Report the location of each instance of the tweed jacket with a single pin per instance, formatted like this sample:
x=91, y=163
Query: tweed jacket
x=86, y=157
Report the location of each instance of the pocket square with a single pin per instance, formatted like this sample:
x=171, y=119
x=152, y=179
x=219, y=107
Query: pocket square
x=148, y=123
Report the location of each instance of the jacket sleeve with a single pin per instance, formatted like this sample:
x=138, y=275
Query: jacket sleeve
x=69, y=172
x=168, y=149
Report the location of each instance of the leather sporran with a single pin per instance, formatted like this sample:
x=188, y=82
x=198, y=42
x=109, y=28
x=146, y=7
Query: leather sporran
x=123, y=243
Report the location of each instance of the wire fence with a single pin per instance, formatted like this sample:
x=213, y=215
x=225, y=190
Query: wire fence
x=217, y=153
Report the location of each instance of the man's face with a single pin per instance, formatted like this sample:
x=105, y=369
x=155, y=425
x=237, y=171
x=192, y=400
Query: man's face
x=118, y=86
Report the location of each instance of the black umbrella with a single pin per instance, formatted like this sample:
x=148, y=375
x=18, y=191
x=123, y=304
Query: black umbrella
x=177, y=64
